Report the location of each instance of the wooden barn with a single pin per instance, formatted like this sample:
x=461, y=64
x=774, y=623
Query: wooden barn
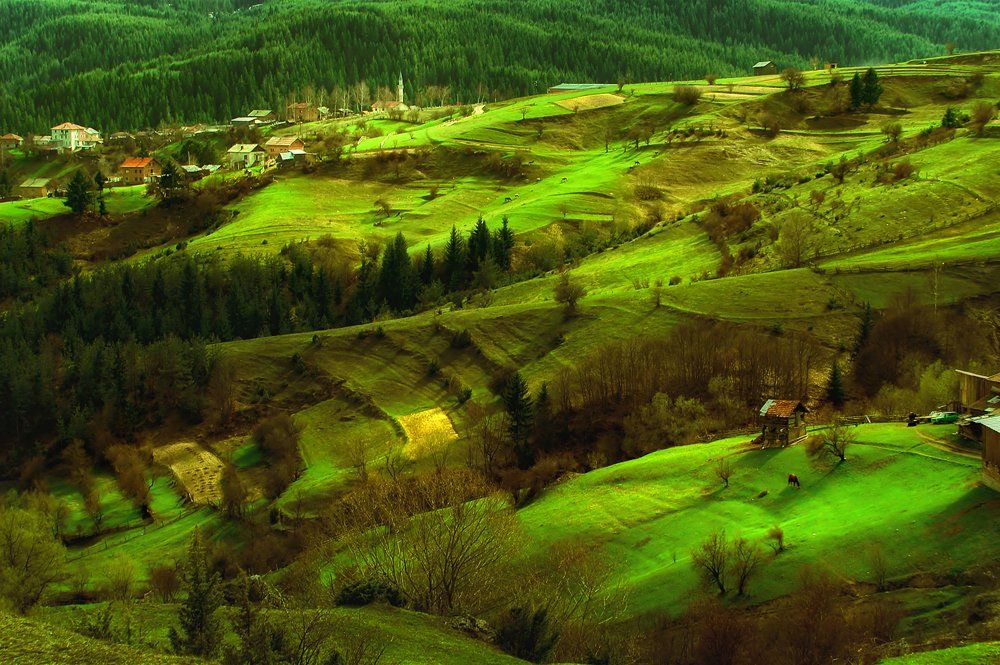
x=978, y=394
x=783, y=421
x=765, y=67
x=989, y=436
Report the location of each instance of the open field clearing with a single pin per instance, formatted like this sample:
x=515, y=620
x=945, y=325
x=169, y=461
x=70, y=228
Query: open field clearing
x=427, y=432
x=197, y=470
x=647, y=515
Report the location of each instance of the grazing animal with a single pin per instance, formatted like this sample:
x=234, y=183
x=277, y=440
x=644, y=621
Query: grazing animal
x=794, y=480
x=508, y=200
x=565, y=179
x=635, y=164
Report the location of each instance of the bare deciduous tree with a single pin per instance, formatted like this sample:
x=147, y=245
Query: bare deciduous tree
x=746, y=563
x=711, y=561
x=724, y=470
x=834, y=441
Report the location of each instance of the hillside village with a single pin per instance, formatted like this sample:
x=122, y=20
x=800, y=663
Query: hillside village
x=689, y=360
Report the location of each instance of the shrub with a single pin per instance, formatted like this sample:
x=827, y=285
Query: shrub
x=688, y=95
x=645, y=191
x=526, y=634
x=366, y=592
x=777, y=537
x=461, y=340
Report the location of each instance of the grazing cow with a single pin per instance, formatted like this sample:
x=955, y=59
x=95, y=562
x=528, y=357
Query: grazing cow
x=794, y=480
x=508, y=200
x=565, y=179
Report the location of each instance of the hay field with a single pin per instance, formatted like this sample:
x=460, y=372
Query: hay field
x=427, y=432
x=197, y=470
x=591, y=102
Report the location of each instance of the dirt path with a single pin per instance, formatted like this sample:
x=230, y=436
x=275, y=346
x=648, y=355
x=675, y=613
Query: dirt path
x=942, y=444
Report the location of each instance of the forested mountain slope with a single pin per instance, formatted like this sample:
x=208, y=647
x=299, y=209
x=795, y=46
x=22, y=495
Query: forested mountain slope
x=117, y=65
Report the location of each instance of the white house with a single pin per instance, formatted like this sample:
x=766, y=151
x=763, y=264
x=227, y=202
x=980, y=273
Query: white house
x=72, y=137
x=245, y=155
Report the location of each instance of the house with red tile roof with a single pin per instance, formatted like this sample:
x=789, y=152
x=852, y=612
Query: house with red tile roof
x=10, y=141
x=73, y=137
x=139, y=170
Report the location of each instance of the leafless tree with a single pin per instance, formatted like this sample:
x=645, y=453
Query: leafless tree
x=711, y=561
x=834, y=440
x=724, y=470
x=746, y=563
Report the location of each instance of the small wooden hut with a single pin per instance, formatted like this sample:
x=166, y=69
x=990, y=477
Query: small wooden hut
x=783, y=421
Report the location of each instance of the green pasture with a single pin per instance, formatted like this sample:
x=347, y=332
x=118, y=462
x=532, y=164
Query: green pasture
x=923, y=506
x=984, y=653
x=409, y=638
x=119, y=201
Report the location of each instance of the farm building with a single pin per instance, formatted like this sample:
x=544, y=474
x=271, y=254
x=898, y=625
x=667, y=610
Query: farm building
x=139, y=170
x=242, y=121
x=988, y=428
x=301, y=112
x=389, y=106
x=245, y=155
x=33, y=188
x=577, y=87
x=279, y=144
x=262, y=116
x=978, y=394
x=296, y=156
x=765, y=67
x=783, y=421
x=10, y=141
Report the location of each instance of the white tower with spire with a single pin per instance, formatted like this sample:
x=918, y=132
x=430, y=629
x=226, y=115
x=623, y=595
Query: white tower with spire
x=399, y=89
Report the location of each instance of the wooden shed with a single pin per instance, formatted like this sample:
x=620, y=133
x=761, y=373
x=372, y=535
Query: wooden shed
x=990, y=438
x=765, y=67
x=783, y=421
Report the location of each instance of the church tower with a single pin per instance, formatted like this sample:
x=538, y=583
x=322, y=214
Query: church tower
x=399, y=89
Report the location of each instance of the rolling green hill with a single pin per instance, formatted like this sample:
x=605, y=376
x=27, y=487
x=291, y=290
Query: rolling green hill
x=200, y=60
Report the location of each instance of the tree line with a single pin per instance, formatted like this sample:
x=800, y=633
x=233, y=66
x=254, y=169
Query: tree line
x=135, y=65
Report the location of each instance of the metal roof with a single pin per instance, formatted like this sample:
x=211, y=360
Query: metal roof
x=781, y=408
x=246, y=147
x=763, y=63
x=579, y=86
x=35, y=182
x=989, y=422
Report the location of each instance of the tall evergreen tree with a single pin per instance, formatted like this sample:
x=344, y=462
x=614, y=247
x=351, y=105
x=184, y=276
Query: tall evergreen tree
x=871, y=87
x=200, y=628
x=427, y=267
x=454, y=261
x=518, y=404
x=857, y=90
x=78, y=196
x=395, y=284
x=479, y=244
x=503, y=244
x=835, y=387
x=865, y=326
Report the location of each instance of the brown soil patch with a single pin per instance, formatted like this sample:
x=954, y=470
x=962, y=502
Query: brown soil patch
x=197, y=470
x=427, y=432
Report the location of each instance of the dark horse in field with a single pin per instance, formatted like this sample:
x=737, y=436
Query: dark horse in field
x=794, y=480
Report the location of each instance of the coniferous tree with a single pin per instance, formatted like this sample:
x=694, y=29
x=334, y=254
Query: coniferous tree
x=479, y=244
x=427, y=267
x=835, y=387
x=857, y=90
x=517, y=403
x=871, y=87
x=454, y=261
x=950, y=119
x=503, y=244
x=395, y=284
x=864, y=329
x=200, y=629
x=99, y=180
x=78, y=196
x=258, y=639
x=5, y=186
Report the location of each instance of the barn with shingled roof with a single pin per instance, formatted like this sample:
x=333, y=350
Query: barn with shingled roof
x=783, y=421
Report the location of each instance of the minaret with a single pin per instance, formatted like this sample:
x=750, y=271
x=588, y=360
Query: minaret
x=399, y=89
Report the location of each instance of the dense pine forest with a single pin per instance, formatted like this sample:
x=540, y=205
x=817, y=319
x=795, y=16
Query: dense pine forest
x=126, y=65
